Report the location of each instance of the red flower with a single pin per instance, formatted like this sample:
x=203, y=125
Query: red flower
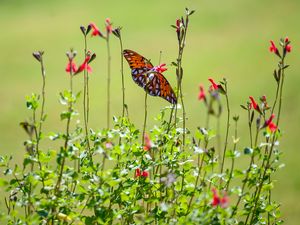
x=96, y=31
x=85, y=65
x=201, y=95
x=272, y=126
x=273, y=48
x=288, y=48
x=219, y=201
x=160, y=69
x=71, y=67
x=108, y=26
x=214, y=86
x=139, y=173
x=148, y=144
x=253, y=103
x=145, y=174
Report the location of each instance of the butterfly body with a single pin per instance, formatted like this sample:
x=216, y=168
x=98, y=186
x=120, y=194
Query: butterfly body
x=145, y=76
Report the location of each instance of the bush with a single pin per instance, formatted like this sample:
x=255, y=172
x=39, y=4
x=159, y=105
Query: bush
x=170, y=175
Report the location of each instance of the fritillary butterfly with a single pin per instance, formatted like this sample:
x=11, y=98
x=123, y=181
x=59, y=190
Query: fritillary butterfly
x=145, y=76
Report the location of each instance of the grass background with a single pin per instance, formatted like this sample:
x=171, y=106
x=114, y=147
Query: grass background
x=226, y=39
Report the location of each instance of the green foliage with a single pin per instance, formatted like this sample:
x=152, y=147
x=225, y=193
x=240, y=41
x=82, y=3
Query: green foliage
x=171, y=176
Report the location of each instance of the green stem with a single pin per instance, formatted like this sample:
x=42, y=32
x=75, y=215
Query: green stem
x=233, y=158
x=85, y=101
x=122, y=74
x=227, y=129
x=145, y=119
x=108, y=82
x=267, y=165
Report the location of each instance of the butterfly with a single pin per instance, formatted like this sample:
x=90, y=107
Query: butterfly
x=145, y=76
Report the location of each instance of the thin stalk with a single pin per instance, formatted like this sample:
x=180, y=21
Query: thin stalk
x=38, y=134
x=85, y=98
x=219, y=135
x=145, y=119
x=38, y=131
x=70, y=109
x=233, y=158
x=108, y=82
x=227, y=128
x=272, y=145
x=122, y=74
x=250, y=128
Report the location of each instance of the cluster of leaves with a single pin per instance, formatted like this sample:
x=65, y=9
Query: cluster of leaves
x=172, y=176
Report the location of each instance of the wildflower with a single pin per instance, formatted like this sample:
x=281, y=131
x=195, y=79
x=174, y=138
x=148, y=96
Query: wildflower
x=271, y=126
x=71, y=67
x=139, y=173
x=201, y=95
x=219, y=201
x=253, y=103
x=108, y=26
x=213, y=86
x=273, y=48
x=147, y=142
x=96, y=31
x=160, y=69
x=288, y=47
x=85, y=65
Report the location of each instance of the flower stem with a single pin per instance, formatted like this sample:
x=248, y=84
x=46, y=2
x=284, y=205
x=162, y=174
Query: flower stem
x=145, y=119
x=269, y=153
x=122, y=74
x=108, y=83
x=85, y=98
x=227, y=128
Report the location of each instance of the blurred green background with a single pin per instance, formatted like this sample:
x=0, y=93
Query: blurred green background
x=226, y=39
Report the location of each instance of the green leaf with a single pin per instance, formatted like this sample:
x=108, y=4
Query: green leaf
x=65, y=115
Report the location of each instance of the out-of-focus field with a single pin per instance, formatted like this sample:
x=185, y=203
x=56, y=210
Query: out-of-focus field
x=226, y=39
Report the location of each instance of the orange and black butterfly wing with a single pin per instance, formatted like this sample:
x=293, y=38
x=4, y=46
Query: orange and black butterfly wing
x=158, y=85
x=139, y=67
